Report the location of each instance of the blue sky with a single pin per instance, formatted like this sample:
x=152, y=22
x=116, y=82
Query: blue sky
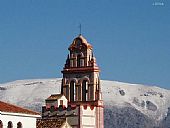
x=131, y=38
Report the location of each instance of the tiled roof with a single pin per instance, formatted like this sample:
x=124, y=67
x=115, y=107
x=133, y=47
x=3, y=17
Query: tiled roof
x=50, y=123
x=84, y=41
x=6, y=107
x=54, y=97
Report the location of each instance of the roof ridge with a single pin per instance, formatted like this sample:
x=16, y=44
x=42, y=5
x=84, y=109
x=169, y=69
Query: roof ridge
x=8, y=107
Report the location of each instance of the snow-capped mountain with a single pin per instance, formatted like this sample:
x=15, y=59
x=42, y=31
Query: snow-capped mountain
x=126, y=105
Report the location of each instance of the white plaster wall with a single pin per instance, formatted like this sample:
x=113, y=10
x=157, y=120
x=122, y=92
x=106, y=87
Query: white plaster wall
x=27, y=122
x=88, y=111
x=64, y=101
x=88, y=121
x=88, y=117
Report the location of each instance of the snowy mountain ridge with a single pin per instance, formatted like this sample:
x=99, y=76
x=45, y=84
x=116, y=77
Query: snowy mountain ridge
x=147, y=102
x=150, y=100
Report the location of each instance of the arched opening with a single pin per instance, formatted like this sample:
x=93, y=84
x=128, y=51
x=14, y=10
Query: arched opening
x=1, y=124
x=78, y=60
x=19, y=125
x=71, y=63
x=72, y=91
x=10, y=125
x=84, y=90
x=67, y=92
x=78, y=93
x=82, y=62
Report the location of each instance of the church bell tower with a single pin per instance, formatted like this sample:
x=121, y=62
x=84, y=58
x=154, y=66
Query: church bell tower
x=81, y=81
x=80, y=103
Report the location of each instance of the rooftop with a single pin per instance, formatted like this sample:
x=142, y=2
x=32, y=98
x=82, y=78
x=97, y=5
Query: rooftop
x=6, y=107
x=50, y=123
x=83, y=41
x=54, y=97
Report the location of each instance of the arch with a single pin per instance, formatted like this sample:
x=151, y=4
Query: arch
x=66, y=91
x=73, y=79
x=1, y=124
x=71, y=63
x=78, y=60
x=81, y=54
x=85, y=78
x=72, y=90
x=85, y=90
x=78, y=92
x=10, y=125
x=19, y=125
x=67, y=82
x=82, y=63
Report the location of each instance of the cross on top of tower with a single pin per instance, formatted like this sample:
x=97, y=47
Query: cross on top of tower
x=80, y=29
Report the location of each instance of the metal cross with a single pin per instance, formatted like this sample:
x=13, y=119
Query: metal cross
x=80, y=28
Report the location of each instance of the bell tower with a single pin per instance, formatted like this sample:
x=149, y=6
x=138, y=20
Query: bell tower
x=81, y=80
x=81, y=84
x=80, y=103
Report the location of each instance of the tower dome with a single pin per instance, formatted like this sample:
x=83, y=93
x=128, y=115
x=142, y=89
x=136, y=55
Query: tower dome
x=79, y=42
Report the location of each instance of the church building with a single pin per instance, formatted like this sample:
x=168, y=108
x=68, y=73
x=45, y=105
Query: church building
x=80, y=103
x=12, y=116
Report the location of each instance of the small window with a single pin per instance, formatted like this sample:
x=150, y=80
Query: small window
x=10, y=125
x=19, y=125
x=61, y=102
x=1, y=124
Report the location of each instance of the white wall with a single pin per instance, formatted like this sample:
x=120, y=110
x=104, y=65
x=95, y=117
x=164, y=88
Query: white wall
x=28, y=121
x=65, y=101
x=88, y=117
x=57, y=102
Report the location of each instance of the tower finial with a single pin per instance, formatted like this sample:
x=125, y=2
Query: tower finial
x=80, y=29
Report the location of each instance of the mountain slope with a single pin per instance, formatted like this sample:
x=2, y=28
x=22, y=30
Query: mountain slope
x=147, y=105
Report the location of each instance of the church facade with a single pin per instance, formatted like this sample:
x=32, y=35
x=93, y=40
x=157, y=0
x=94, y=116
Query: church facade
x=80, y=103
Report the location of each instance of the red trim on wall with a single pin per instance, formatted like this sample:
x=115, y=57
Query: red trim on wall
x=85, y=107
x=91, y=107
x=81, y=69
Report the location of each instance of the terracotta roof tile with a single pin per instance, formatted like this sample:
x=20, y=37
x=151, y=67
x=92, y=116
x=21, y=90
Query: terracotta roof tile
x=6, y=107
x=54, y=97
x=50, y=123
